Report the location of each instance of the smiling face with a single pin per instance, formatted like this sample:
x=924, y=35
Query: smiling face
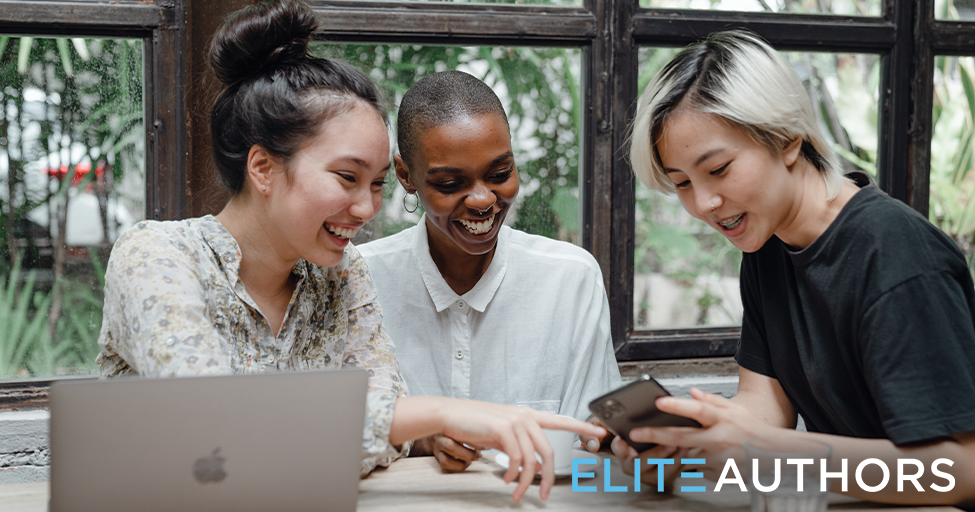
x=728, y=180
x=464, y=174
x=332, y=186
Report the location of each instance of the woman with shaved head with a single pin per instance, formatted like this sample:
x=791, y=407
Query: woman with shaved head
x=480, y=310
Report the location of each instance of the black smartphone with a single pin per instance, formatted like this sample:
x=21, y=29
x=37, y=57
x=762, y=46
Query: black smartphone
x=635, y=405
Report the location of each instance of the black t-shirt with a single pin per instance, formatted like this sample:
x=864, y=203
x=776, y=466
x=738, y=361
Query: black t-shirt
x=871, y=329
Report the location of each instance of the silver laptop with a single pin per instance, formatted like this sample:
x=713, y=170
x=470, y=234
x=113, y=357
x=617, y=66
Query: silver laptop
x=282, y=441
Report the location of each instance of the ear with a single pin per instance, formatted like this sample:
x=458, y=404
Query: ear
x=791, y=152
x=403, y=174
x=260, y=166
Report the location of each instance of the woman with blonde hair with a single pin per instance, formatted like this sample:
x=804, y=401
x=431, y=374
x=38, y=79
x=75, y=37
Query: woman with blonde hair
x=859, y=315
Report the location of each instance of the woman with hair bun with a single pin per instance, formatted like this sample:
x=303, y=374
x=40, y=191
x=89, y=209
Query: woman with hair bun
x=272, y=283
x=859, y=315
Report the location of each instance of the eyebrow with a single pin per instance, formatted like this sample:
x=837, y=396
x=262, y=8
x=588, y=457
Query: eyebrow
x=497, y=160
x=359, y=162
x=355, y=160
x=700, y=160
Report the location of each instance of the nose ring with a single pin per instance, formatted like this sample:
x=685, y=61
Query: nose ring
x=712, y=205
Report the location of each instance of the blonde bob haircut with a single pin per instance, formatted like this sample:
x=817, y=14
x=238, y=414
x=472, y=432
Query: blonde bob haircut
x=738, y=77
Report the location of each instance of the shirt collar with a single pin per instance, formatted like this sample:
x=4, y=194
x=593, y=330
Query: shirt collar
x=225, y=247
x=443, y=296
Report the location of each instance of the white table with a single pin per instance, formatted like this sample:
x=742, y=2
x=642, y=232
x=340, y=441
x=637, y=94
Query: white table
x=418, y=484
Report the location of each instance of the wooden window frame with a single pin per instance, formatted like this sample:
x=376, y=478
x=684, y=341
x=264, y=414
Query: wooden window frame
x=163, y=79
x=609, y=33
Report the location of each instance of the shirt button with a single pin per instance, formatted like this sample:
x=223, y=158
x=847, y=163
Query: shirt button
x=461, y=305
x=270, y=359
x=460, y=354
x=172, y=341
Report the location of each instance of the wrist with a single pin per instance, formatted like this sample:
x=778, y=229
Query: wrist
x=439, y=407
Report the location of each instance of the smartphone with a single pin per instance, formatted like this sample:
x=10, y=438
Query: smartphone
x=635, y=405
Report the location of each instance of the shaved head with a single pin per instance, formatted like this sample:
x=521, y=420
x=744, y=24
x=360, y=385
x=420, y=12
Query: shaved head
x=440, y=99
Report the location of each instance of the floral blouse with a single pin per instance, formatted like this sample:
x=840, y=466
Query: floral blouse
x=175, y=306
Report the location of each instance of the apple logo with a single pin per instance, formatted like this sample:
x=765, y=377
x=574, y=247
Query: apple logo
x=210, y=469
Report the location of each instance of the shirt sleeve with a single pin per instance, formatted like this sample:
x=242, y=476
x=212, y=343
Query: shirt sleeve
x=155, y=322
x=369, y=347
x=917, y=344
x=753, y=352
x=594, y=369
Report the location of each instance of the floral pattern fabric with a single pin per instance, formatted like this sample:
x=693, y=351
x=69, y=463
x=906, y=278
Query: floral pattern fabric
x=175, y=306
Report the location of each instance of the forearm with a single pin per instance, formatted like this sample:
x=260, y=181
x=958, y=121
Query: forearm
x=761, y=408
x=764, y=397
x=416, y=417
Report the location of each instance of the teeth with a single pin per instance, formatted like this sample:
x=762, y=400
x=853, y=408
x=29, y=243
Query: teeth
x=343, y=233
x=479, y=228
x=732, y=223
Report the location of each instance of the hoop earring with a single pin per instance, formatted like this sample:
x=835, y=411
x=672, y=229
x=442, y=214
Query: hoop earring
x=415, y=206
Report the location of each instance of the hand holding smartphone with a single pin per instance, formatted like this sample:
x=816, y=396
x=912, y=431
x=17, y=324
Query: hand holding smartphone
x=635, y=405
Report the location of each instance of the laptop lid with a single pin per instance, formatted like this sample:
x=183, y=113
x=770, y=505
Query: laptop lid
x=280, y=441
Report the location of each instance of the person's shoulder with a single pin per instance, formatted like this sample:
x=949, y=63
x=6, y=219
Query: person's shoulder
x=544, y=251
x=388, y=245
x=882, y=221
x=150, y=235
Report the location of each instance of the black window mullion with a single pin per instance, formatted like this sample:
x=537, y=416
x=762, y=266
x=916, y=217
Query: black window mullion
x=165, y=122
x=433, y=23
x=952, y=38
x=625, y=60
x=785, y=31
x=83, y=18
x=894, y=153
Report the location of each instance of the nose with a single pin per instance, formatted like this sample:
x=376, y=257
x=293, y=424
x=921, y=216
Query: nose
x=707, y=201
x=365, y=205
x=481, y=198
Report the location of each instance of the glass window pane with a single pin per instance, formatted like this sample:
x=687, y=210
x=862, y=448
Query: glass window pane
x=952, y=194
x=685, y=273
x=962, y=10
x=72, y=177
x=539, y=88
x=838, y=7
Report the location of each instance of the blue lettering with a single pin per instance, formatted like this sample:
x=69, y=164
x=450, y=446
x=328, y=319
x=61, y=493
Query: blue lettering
x=692, y=474
x=576, y=475
x=636, y=475
x=610, y=487
x=660, y=463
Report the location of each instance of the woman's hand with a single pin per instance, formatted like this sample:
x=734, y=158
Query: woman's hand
x=517, y=431
x=595, y=443
x=725, y=428
x=451, y=455
x=626, y=454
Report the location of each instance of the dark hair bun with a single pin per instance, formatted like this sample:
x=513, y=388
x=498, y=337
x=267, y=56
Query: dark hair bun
x=259, y=38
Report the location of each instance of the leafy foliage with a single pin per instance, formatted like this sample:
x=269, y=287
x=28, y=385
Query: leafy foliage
x=539, y=88
x=72, y=109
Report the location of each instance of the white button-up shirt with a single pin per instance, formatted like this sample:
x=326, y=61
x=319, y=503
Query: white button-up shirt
x=534, y=331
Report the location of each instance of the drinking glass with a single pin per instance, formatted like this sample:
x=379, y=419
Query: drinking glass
x=776, y=485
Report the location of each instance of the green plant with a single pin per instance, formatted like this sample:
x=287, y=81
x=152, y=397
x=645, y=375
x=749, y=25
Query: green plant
x=60, y=94
x=23, y=322
x=952, y=199
x=540, y=89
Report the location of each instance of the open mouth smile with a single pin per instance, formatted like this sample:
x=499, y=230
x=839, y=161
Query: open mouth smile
x=732, y=223
x=340, y=232
x=478, y=227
